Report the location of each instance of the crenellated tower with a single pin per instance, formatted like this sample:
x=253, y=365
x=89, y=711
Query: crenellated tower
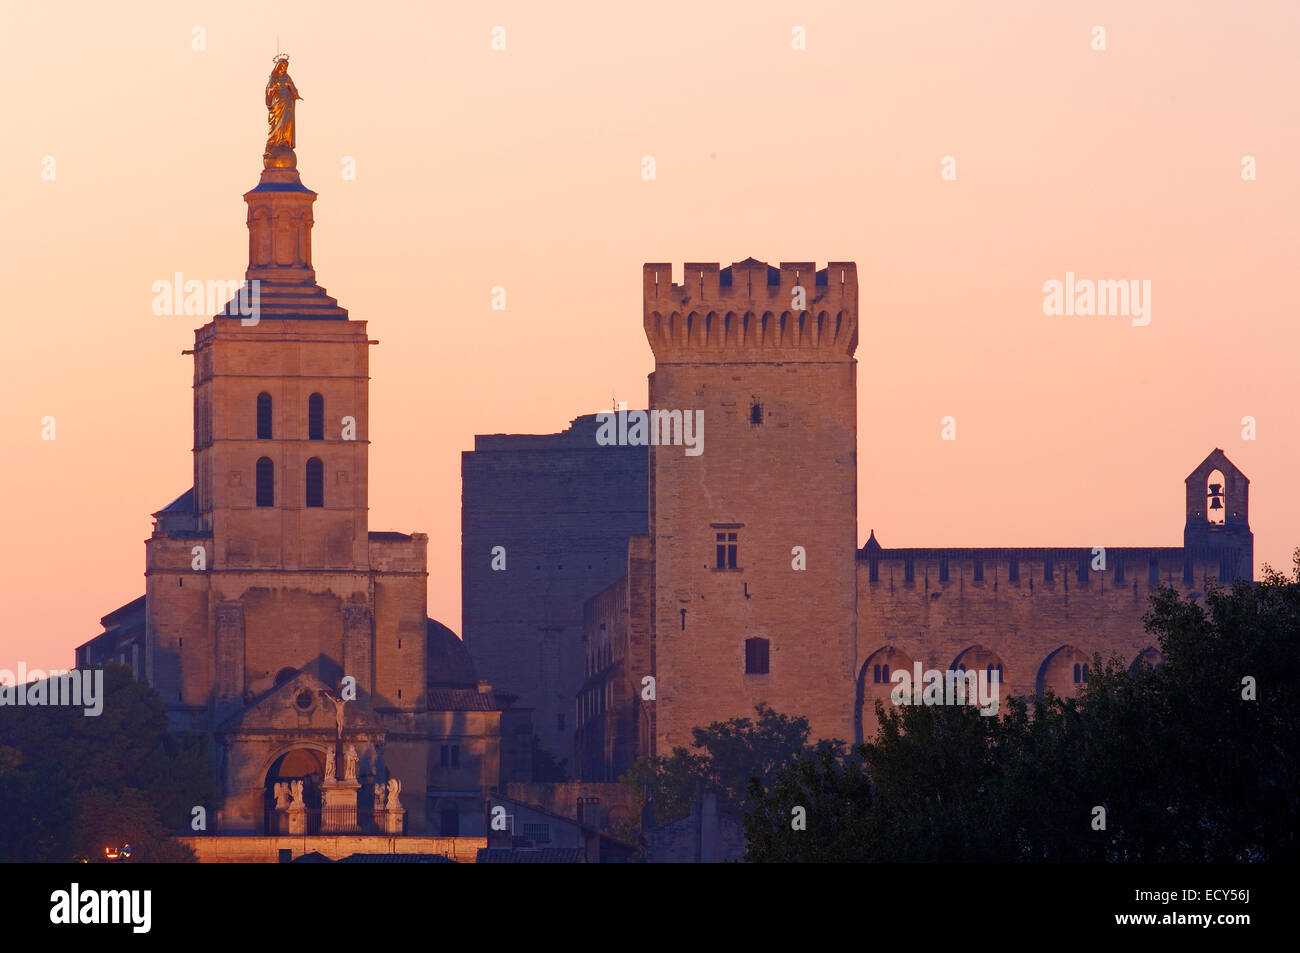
x=753, y=539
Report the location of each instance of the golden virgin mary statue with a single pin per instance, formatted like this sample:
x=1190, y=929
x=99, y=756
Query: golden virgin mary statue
x=280, y=96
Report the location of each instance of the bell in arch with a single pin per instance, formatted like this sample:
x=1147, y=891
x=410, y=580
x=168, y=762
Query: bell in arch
x=1214, y=490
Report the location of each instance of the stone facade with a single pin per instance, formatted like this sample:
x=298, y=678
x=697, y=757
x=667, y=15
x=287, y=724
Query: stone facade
x=561, y=508
x=596, y=804
x=266, y=589
x=705, y=835
x=721, y=631
x=613, y=714
x=271, y=850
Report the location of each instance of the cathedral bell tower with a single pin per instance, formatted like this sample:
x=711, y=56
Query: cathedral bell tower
x=280, y=394
x=266, y=591
x=268, y=568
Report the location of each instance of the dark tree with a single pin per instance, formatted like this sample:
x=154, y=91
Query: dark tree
x=1197, y=760
x=127, y=778
x=730, y=754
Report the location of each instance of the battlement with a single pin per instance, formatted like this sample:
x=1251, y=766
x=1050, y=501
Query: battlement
x=1068, y=567
x=751, y=311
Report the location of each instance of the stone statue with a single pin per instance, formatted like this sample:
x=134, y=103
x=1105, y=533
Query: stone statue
x=350, y=763
x=281, y=790
x=394, y=790
x=281, y=127
x=338, y=704
x=295, y=788
x=330, y=771
x=379, y=797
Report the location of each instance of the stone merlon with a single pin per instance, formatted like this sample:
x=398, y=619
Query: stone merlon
x=794, y=312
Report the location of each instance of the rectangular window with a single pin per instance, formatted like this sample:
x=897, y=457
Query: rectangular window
x=538, y=833
x=455, y=756
x=756, y=657
x=1013, y=571
x=1119, y=570
x=450, y=821
x=1047, y=569
x=979, y=570
x=726, y=550
x=874, y=570
x=1153, y=571
x=943, y=568
x=445, y=758
x=263, y=416
x=909, y=571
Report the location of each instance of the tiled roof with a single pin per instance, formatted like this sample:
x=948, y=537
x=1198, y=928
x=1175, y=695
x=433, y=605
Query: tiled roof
x=124, y=614
x=460, y=699
x=531, y=855
x=182, y=504
x=396, y=859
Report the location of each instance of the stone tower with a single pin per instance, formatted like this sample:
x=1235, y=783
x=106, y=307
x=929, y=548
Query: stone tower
x=265, y=581
x=1218, y=517
x=753, y=531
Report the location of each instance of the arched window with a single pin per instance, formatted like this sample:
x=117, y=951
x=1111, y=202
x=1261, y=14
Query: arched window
x=1077, y=676
x=1215, y=499
x=315, y=417
x=315, y=482
x=1085, y=671
x=884, y=673
x=756, y=414
x=875, y=674
x=265, y=482
x=263, y=416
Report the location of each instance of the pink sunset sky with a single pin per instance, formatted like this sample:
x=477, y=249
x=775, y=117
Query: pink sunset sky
x=522, y=168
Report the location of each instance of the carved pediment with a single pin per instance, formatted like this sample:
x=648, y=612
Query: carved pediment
x=298, y=704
